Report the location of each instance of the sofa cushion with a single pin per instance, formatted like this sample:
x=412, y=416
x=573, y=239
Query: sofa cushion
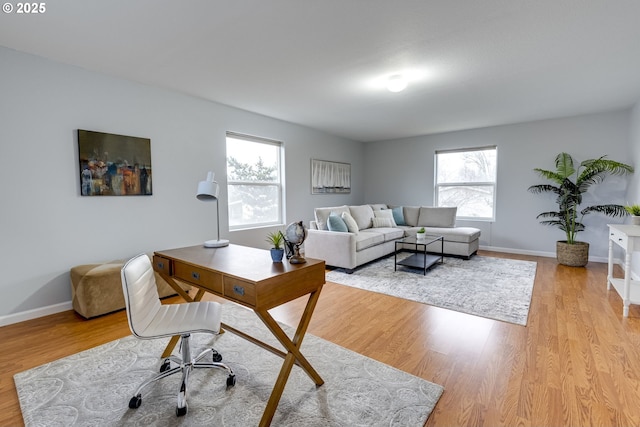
x=392, y=233
x=366, y=239
x=437, y=217
x=322, y=214
x=378, y=206
x=336, y=223
x=387, y=214
x=363, y=215
x=383, y=222
x=398, y=215
x=411, y=214
x=352, y=226
x=450, y=234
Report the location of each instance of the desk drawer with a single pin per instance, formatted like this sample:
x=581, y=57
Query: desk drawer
x=162, y=265
x=198, y=276
x=618, y=237
x=239, y=290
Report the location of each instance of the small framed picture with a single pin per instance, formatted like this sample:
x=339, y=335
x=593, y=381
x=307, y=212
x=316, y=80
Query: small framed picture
x=329, y=177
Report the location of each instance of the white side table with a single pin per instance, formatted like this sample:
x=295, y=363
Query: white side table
x=628, y=238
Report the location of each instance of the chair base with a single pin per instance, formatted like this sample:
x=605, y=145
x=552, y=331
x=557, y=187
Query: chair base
x=185, y=365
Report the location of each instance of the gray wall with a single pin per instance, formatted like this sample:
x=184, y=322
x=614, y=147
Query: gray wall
x=46, y=227
x=402, y=172
x=633, y=193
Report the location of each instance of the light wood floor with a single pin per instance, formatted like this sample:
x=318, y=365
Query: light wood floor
x=576, y=363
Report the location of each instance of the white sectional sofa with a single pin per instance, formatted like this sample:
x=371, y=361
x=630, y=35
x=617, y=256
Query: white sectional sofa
x=350, y=236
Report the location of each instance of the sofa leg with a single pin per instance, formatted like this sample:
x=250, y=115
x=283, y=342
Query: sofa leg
x=349, y=270
x=467, y=258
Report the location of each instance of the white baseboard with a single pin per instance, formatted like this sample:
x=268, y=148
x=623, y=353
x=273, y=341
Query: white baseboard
x=544, y=254
x=10, y=319
x=518, y=251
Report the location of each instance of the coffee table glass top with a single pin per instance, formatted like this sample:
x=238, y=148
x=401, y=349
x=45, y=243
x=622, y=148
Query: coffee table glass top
x=429, y=238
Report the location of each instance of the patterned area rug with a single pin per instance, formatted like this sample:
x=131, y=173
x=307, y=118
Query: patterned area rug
x=496, y=288
x=93, y=388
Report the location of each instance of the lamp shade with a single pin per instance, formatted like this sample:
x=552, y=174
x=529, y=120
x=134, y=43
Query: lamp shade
x=208, y=189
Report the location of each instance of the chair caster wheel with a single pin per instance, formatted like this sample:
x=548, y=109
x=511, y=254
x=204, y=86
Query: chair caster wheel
x=166, y=365
x=231, y=381
x=135, y=402
x=180, y=412
x=217, y=357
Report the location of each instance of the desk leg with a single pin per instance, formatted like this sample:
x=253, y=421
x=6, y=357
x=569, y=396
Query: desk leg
x=293, y=355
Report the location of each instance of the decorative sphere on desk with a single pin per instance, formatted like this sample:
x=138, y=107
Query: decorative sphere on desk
x=295, y=234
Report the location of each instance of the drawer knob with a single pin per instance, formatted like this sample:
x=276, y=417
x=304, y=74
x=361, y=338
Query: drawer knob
x=195, y=275
x=238, y=290
x=161, y=265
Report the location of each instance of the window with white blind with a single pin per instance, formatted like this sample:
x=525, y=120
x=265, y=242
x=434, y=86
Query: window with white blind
x=466, y=178
x=254, y=181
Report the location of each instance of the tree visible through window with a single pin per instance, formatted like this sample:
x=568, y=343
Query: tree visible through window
x=253, y=181
x=467, y=179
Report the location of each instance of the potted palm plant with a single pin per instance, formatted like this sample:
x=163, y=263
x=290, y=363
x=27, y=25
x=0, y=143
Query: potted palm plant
x=277, y=240
x=569, y=184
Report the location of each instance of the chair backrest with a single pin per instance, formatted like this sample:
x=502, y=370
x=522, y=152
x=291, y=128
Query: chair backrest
x=140, y=293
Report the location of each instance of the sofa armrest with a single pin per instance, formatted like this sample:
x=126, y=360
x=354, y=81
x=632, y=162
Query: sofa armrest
x=336, y=249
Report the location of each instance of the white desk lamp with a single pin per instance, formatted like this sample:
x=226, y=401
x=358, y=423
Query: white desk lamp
x=208, y=191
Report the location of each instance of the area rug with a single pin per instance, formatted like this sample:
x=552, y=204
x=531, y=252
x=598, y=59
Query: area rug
x=496, y=288
x=93, y=388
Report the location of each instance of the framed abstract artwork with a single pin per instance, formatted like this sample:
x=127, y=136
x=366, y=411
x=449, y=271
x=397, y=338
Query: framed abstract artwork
x=114, y=165
x=330, y=177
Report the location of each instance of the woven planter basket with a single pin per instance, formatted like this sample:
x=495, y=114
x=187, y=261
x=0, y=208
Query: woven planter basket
x=576, y=255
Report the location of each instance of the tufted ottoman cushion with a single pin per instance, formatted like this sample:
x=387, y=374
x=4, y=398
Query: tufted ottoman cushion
x=96, y=289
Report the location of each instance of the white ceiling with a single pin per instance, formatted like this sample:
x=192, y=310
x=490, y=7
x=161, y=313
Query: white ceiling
x=318, y=62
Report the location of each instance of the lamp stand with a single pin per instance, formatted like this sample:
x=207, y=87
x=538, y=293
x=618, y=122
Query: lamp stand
x=219, y=243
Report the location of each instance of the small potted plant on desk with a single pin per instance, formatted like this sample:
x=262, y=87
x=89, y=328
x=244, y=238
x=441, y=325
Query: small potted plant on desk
x=421, y=233
x=634, y=211
x=276, y=238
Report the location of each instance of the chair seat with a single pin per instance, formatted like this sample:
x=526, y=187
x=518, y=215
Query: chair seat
x=177, y=319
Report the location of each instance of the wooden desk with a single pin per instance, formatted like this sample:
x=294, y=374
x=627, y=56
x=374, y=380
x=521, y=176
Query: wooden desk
x=247, y=276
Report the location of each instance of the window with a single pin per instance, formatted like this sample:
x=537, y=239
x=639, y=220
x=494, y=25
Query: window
x=466, y=178
x=254, y=181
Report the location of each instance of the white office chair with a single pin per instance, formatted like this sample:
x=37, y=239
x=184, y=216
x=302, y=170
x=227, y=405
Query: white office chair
x=149, y=319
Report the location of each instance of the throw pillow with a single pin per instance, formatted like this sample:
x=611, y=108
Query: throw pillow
x=378, y=206
x=398, y=215
x=383, y=222
x=351, y=223
x=437, y=217
x=336, y=223
x=387, y=213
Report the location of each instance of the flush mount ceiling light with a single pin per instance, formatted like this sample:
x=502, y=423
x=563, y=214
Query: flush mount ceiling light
x=396, y=83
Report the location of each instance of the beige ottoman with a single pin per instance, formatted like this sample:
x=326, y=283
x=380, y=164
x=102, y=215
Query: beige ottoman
x=96, y=289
